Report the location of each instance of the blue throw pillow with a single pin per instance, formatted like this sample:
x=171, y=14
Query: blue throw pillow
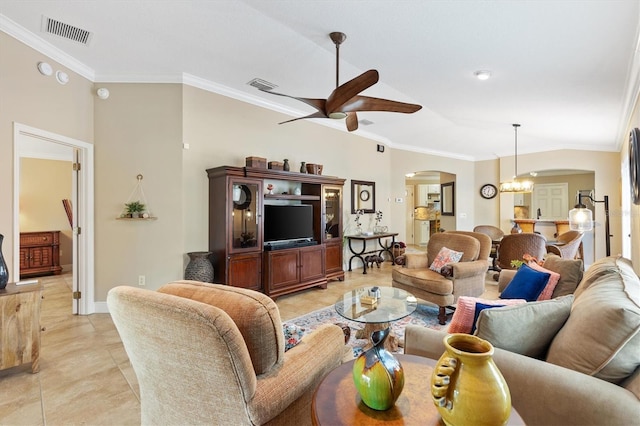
x=479, y=308
x=526, y=284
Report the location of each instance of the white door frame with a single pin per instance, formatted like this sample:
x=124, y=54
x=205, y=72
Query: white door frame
x=83, y=243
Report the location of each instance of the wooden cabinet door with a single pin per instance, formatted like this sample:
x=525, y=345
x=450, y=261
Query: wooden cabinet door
x=312, y=263
x=24, y=258
x=245, y=270
x=40, y=257
x=333, y=258
x=282, y=268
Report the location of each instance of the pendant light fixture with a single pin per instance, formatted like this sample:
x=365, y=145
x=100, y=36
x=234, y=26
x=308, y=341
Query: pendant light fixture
x=516, y=185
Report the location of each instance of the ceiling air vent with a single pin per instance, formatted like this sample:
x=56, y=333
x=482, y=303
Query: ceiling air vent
x=365, y=122
x=262, y=84
x=51, y=26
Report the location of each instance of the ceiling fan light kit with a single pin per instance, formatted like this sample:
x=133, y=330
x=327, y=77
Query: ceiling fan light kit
x=345, y=101
x=482, y=74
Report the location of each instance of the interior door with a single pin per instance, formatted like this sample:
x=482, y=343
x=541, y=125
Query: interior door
x=550, y=201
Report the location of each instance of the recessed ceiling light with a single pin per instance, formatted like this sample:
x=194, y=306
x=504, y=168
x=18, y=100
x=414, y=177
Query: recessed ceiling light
x=482, y=74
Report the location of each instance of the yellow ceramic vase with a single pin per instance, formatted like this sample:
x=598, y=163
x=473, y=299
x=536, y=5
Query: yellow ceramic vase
x=467, y=387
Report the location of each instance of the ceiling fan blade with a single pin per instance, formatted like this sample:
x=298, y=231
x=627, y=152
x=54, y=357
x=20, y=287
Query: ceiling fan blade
x=317, y=114
x=348, y=90
x=366, y=103
x=318, y=104
x=352, y=121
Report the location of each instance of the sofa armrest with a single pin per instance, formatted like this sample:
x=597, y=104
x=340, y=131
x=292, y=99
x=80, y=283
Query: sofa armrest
x=469, y=269
x=505, y=277
x=304, y=366
x=543, y=393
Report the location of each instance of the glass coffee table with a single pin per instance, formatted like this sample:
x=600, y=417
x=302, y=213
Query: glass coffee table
x=392, y=304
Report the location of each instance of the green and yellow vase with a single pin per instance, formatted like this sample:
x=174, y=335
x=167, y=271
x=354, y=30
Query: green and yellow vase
x=378, y=375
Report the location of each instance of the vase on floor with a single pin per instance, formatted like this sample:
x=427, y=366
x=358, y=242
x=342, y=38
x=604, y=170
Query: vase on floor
x=199, y=267
x=466, y=385
x=378, y=375
x=4, y=272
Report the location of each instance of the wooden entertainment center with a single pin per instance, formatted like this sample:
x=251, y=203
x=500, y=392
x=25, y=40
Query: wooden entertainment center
x=237, y=196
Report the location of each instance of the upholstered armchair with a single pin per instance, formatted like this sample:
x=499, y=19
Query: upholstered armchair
x=214, y=354
x=515, y=246
x=464, y=278
x=567, y=245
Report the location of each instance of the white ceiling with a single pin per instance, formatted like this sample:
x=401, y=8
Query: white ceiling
x=567, y=70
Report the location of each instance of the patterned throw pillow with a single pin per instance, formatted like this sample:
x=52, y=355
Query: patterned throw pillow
x=445, y=256
x=292, y=335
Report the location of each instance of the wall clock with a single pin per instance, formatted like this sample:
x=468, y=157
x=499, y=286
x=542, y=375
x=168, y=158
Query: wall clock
x=634, y=165
x=488, y=191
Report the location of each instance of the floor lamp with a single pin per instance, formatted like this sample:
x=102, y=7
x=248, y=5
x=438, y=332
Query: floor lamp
x=581, y=218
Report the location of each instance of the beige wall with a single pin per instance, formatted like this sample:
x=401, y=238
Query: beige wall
x=43, y=186
x=487, y=211
x=631, y=213
x=138, y=130
x=29, y=98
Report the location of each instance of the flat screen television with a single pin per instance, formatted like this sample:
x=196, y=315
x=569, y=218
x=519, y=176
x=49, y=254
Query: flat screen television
x=288, y=222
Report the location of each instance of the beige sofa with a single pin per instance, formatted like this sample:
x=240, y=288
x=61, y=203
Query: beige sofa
x=588, y=372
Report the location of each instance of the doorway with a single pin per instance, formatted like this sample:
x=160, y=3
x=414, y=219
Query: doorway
x=29, y=138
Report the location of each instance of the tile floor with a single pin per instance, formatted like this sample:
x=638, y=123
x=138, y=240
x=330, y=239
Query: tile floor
x=85, y=377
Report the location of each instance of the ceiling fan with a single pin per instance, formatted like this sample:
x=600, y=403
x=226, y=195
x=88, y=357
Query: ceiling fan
x=345, y=100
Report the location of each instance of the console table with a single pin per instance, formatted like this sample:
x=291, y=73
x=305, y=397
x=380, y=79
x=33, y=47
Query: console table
x=378, y=251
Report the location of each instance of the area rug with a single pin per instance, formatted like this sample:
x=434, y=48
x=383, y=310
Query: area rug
x=424, y=315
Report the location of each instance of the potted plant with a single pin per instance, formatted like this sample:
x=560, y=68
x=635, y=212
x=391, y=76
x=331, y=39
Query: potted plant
x=135, y=209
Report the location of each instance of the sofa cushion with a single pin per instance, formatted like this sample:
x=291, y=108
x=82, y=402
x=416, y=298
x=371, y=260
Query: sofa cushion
x=465, y=313
x=444, y=257
x=526, y=284
x=424, y=279
x=570, y=271
x=527, y=328
x=554, y=277
x=602, y=335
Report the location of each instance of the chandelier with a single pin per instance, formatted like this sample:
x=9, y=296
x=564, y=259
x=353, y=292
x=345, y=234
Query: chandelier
x=515, y=185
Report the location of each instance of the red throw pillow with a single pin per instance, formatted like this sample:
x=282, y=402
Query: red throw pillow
x=547, y=291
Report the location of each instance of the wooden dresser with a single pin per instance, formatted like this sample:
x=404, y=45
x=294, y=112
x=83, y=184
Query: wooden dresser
x=39, y=253
x=20, y=325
